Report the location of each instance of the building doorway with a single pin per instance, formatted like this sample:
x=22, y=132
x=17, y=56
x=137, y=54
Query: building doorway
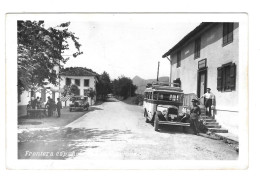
x=202, y=84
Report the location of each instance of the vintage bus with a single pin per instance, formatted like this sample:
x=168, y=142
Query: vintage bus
x=162, y=104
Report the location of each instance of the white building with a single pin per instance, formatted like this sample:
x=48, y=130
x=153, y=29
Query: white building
x=84, y=79
x=208, y=56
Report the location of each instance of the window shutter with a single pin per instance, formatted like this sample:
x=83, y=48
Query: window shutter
x=230, y=32
x=225, y=37
x=219, y=79
x=233, y=76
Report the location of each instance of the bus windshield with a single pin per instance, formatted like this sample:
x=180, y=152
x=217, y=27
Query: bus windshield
x=163, y=96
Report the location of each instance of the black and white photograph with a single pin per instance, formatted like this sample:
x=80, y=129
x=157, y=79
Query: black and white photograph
x=106, y=87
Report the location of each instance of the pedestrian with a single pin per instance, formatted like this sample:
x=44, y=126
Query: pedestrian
x=194, y=116
x=41, y=104
x=52, y=106
x=59, y=106
x=29, y=105
x=34, y=102
x=209, y=101
x=48, y=106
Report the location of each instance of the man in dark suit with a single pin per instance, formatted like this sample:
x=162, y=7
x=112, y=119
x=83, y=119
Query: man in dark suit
x=194, y=116
x=48, y=106
x=59, y=106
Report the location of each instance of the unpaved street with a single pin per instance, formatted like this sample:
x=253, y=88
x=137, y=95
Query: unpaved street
x=116, y=130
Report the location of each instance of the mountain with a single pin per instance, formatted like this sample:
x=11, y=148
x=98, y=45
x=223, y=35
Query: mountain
x=141, y=83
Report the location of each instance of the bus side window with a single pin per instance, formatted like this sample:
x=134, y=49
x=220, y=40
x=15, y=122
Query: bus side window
x=174, y=98
x=154, y=96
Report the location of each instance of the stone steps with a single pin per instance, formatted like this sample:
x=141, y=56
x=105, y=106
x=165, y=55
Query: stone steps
x=210, y=120
x=212, y=123
x=213, y=126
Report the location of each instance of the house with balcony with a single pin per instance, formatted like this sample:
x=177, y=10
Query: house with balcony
x=208, y=57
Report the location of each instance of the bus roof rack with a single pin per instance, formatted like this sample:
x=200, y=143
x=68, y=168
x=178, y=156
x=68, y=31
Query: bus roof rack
x=164, y=86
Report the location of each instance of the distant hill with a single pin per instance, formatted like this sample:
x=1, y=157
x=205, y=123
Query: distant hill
x=141, y=83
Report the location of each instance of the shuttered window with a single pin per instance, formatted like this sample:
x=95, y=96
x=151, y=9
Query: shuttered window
x=228, y=33
x=86, y=83
x=68, y=81
x=77, y=82
x=226, y=77
x=197, y=48
x=179, y=59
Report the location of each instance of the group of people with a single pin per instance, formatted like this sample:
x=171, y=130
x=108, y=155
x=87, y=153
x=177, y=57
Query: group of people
x=51, y=106
x=196, y=122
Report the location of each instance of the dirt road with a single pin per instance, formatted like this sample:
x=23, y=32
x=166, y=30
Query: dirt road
x=117, y=131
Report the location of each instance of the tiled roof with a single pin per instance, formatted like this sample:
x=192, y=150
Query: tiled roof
x=77, y=71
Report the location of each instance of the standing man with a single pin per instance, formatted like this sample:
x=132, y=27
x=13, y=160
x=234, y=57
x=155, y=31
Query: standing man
x=59, y=106
x=48, y=106
x=194, y=116
x=209, y=100
x=34, y=102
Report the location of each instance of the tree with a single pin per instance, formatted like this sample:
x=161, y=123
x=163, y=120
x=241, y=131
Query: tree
x=74, y=90
x=70, y=90
x=124, y=87
x=104, y=85
x=40, y=50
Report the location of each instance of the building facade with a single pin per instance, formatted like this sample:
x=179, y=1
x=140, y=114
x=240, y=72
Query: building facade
x=83, y=79
x=208, y=57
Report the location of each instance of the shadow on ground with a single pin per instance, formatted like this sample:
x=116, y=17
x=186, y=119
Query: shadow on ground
x=178, y=129
x=93, y=108
x=62, y=143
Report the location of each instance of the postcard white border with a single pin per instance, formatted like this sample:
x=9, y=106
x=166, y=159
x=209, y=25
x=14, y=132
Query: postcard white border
x=11, y=93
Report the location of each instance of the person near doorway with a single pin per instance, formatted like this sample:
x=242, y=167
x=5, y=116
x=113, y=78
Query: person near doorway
x=209, y=100
x=194, y=116
x=59, y=106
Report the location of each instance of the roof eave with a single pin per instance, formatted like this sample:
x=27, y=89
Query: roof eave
x=186, y=38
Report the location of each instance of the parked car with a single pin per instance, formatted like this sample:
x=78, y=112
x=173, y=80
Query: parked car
x=79, y=104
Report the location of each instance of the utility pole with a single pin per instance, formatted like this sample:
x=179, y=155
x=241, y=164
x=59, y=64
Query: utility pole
x=158, y=71
x=130, y=90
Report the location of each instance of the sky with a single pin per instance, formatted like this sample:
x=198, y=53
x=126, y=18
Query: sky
x=126, y=44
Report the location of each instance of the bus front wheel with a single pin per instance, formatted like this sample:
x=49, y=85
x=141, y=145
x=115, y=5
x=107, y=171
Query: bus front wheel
x=156, y=121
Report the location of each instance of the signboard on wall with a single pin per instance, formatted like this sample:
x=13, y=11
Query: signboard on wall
x=202, y=64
